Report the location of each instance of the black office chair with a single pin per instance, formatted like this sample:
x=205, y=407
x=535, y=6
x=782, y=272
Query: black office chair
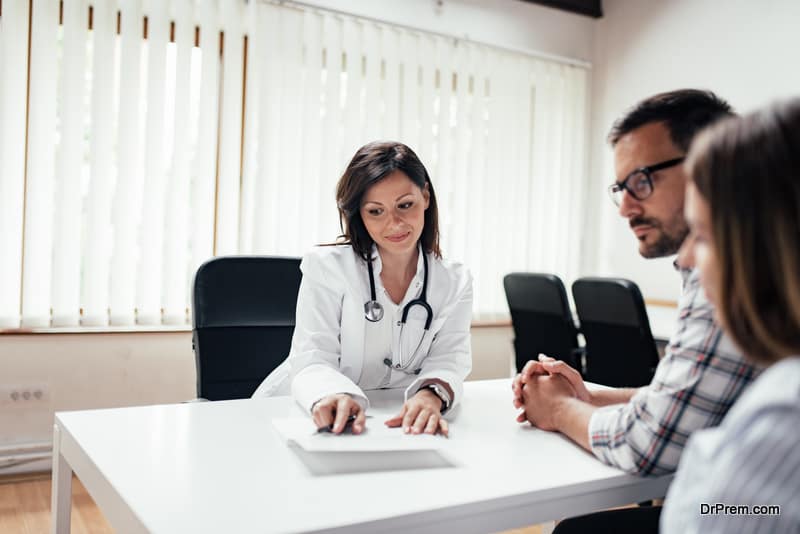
x=541, y=318
x=243, y=321
x=620, y=350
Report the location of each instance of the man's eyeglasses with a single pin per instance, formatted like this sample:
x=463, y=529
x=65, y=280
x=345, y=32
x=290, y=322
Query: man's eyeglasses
x=639, y=183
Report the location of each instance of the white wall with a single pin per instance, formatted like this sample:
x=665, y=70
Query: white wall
x=110, y=370
x=746, y=51
x=81, y=371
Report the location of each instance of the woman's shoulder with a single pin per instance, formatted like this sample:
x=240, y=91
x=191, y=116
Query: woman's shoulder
x=767, y=411
x=777, y=386
x=452, y=267
x=328, y=260
x=335, y=251
x=757, y=454
x=456, y=273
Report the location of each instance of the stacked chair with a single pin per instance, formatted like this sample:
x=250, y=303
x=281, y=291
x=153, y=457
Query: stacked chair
x=619, y=348
x=541, y=318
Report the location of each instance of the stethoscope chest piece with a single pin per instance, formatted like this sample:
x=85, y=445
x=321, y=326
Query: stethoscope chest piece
x=373, y=311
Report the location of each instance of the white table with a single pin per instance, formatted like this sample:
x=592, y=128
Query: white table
x=221, y=467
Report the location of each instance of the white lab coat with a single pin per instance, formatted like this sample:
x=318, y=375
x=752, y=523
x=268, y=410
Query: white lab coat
x=327, y=351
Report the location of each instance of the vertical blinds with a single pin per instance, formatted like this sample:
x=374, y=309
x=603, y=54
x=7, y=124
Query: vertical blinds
x=175, y=130
x=13, y=87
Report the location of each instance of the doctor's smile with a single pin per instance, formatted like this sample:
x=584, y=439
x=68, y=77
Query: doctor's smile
x=399, y=237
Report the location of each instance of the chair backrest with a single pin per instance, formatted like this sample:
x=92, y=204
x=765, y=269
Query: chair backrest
x=243, y=311
x=620, y=350
x=541, y=318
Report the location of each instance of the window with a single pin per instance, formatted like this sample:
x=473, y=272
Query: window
x=156, y=140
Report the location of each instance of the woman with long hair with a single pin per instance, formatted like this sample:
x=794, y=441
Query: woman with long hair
x=743, y=208
x=380, y=308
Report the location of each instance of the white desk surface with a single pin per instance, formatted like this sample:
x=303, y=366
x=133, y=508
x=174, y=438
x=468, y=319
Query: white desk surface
x=221, y=467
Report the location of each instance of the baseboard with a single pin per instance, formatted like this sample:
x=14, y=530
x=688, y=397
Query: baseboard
x=25, y=458
x=25, y=477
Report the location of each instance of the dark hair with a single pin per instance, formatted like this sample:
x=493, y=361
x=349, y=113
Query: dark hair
x=684, y=112
x=371, y=163
x=748, y=170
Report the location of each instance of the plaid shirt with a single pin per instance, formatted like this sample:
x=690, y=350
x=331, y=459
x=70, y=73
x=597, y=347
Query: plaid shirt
x=700, y=376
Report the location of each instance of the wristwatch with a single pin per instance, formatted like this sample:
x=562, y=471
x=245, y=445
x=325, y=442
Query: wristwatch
x=440, y=392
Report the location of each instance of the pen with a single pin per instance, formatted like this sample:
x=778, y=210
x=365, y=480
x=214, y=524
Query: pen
x=329, y=428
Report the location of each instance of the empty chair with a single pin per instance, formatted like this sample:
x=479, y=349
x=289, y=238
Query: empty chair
x=243, y=320
x=620, y=350
x=541, y=318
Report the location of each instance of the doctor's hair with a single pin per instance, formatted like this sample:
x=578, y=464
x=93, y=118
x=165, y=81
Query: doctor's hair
x=370, y=164
x=684, y=112
x=748, y=170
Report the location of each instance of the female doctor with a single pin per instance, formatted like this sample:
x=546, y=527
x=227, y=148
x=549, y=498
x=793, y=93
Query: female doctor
x=380, y=309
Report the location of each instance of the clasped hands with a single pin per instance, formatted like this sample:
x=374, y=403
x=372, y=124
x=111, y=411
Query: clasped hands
x=420, y=414
x=541, y=388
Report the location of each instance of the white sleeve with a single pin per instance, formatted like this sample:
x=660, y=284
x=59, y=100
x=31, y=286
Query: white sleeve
x=450, y=355
x=316, y=346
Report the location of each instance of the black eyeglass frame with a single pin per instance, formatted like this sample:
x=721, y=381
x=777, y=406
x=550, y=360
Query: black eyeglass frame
x=647, y=171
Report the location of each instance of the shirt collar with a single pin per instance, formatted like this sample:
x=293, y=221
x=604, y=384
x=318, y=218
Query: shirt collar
x=685, y=272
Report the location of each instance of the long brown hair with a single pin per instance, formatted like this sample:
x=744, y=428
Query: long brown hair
x=371, y=163
x=748, y=169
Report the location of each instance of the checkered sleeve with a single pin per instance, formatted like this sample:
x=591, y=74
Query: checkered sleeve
x=701, y=375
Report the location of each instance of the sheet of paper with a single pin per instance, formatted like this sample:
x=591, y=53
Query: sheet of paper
x=377, y=437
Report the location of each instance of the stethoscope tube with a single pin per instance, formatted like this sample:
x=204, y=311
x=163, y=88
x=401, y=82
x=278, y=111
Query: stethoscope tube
x=373, y=310
x=423, y=297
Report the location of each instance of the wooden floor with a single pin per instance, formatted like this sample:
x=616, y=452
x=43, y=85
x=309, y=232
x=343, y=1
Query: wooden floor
x=25, y=508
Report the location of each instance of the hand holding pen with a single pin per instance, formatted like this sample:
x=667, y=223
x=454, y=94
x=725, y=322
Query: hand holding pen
x=348, y=426
x=336, y=412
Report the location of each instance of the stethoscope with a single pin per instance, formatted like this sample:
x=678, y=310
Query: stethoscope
x=373, y=312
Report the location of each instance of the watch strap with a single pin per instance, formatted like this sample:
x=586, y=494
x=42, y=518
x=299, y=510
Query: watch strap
x=440, y=392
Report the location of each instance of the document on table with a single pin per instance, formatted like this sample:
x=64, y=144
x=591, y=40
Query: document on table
x=377, y=437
